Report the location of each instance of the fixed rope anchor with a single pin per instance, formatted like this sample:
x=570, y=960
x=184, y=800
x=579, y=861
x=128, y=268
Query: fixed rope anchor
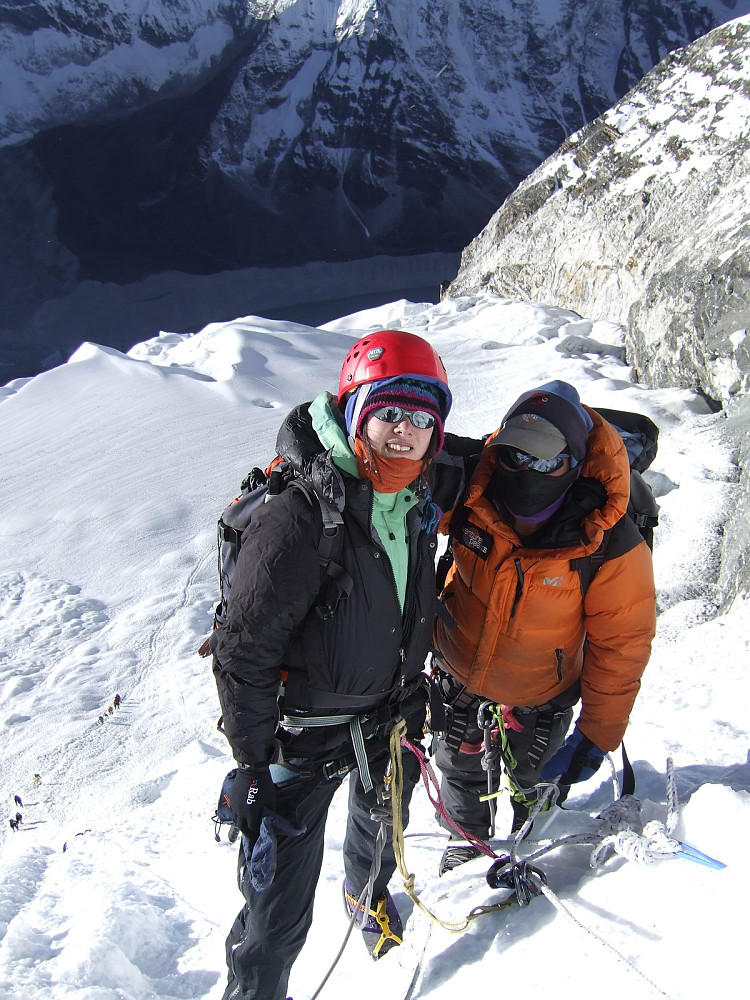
x=524, y=879
x=693, y=854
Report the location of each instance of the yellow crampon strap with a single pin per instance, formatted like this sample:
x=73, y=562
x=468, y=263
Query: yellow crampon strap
x=397, y=786
x=381, y=916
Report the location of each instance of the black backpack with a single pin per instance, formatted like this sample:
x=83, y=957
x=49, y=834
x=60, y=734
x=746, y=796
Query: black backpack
x=223, y=815
x=641, y=437
x=260, y=487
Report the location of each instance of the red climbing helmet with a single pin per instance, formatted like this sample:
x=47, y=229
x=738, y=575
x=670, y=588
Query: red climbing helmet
x=387, y=354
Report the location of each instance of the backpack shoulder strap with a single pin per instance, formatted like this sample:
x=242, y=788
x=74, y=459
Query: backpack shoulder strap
x=330, y=544
x=619, y=539
x=588, y=566
x=642, y=506
x=331, y=515
x=458, y=520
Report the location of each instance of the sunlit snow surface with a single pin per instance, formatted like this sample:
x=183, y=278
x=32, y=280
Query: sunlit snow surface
x=114, y=470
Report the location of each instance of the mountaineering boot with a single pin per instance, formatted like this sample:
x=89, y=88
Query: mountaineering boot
x=382, y=930
x=457, y=854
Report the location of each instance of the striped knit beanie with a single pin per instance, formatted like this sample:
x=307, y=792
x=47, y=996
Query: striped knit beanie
x=413, y=394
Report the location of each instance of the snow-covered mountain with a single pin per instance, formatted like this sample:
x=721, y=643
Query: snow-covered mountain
x=206, y=135
x=643, y=218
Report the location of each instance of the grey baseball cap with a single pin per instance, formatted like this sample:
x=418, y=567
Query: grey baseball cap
x=547, y=420
x=532, y=434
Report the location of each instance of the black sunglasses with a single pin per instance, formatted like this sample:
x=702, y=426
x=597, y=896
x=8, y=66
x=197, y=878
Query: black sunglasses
x=514, y=458
x=420, y=419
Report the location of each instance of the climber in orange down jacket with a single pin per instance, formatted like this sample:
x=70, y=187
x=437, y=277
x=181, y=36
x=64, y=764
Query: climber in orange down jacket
x=551, y=486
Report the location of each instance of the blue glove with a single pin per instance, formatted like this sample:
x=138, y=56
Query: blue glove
x=576, y=760
x=261, y=857
x=251, y=792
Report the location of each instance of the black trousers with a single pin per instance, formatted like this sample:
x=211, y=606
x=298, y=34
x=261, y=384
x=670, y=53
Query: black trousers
x=270, y=929
x=464, y=779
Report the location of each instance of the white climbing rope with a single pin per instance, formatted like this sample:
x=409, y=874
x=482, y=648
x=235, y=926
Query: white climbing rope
x=642, y=848
x=620, y=829
x=627, y=838
x=561, y=908
x=672, y=803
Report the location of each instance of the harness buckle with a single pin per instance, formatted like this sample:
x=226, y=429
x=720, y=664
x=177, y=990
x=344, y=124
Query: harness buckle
x=337, y=769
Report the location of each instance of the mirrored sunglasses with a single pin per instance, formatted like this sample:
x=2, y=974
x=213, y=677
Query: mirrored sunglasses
x=395, y=414
x=516, y=459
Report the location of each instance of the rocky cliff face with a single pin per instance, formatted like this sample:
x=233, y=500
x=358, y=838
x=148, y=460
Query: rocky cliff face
x=203, y=135
x=643, y=218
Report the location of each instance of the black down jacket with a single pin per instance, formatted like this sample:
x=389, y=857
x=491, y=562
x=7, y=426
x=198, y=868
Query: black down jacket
x=357, y=661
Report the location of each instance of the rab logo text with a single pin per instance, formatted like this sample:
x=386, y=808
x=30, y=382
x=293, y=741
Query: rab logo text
x=252, y=792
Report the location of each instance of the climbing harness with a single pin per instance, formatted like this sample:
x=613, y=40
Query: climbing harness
x=619, y=831
x=355, y=729
x=494, y=720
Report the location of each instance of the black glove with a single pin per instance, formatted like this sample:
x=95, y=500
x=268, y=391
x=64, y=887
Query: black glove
x=251, y=792
x=576, y=760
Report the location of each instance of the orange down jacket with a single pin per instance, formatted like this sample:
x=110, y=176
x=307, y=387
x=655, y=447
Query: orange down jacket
x=524, y=632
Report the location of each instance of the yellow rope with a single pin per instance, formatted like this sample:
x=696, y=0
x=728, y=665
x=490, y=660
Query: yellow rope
x=397, y=771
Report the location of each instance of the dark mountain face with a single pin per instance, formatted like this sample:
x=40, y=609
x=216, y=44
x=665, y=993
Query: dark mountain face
x=217, y=135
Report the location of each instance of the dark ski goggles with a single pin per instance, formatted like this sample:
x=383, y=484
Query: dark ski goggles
x=516, y=459
x=395, y=414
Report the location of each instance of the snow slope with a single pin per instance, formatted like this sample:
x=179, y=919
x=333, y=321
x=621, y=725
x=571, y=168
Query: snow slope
x=115, y=468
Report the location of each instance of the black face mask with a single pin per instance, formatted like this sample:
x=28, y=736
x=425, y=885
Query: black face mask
x=526, y=493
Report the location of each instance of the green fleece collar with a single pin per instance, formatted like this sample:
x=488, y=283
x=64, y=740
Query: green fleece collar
x=389, y=510
x=332, y=435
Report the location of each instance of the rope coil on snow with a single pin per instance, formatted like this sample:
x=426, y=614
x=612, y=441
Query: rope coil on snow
x=623, y=819
x=642, y=848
